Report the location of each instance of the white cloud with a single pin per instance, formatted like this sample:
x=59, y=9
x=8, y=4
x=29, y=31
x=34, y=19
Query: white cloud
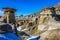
x=1, y=13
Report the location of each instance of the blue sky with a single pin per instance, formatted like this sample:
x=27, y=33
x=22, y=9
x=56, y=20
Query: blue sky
x=26, y=7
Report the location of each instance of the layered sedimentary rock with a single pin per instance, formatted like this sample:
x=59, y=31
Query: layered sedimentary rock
x=50, y=29
x=51, y=35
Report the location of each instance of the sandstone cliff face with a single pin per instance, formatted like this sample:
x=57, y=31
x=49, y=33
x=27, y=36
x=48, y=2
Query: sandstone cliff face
x=49, y=25
x=51, y=35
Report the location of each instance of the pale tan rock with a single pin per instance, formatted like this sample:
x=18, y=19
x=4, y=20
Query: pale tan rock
x=23, y=38
x=51, y=35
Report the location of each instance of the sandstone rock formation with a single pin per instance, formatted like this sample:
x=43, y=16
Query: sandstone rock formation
x=50, y=29
x=51, y=35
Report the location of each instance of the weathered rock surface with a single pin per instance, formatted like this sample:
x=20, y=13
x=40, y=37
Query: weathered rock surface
x=51, y=35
